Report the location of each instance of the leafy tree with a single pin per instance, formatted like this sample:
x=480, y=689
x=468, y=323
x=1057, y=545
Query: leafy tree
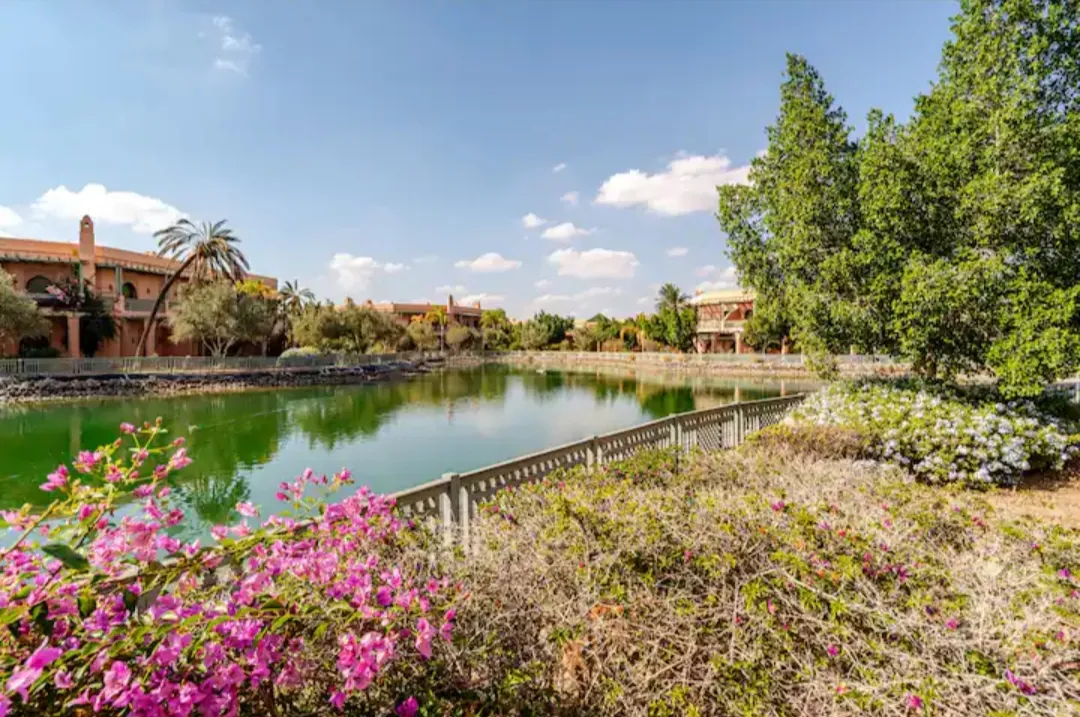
x=460, y=337
x=952, y=240
x=554, y=326
x=498, y=332
x=266, y=311
x=535, y=336
x=218, y=316
x=19, y=314
x=423, y=335
x=204, y=252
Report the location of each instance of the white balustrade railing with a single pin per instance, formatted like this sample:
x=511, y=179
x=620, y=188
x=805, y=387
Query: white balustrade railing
x=451, y=503
x=181, y=364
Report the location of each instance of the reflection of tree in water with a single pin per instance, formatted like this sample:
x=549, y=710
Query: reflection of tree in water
x=658, y=395
x=344, y=416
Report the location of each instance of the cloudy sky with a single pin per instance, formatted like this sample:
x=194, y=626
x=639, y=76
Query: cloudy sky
x=549, y=154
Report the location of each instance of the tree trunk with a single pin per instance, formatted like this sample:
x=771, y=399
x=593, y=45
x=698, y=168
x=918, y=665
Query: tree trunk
x=157, y=305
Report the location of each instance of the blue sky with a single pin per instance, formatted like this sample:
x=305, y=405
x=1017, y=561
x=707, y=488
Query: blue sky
x=403, y=149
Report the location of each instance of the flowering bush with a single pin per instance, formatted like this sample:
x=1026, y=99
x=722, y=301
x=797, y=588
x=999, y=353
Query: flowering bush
x=766, y=582
x=942, y=436
x=288, y=617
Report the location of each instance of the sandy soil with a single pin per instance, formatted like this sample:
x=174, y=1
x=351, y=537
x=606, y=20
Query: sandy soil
x=1048, y=496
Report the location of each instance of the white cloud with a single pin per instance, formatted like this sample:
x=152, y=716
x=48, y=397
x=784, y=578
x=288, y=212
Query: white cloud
x=490, y=262
x=145, y=215
x=704, y=271
x=426, y=259
x=531, y=221
x=450, y=289
x=645, y=300
x=565, y=232
x=688, y=185
x=581, y=296
x=728, y=279
x=9, y=218
x=235, y=48
x=542, y=284
x=595, y=263
x=483, y=299
x=354, y=273
x=559, y=167
x=678, y=251
x=547, y=299
x=570, y=198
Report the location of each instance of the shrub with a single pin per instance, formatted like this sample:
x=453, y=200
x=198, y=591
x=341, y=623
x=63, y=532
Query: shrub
x=755, y=583
x=290, y=617
x=812, y=440
x=943, y=435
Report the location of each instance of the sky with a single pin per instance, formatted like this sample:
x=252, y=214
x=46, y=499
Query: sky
x=549, y=154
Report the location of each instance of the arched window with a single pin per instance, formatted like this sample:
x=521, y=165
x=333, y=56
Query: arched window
x=129, y=291
x=38, y=285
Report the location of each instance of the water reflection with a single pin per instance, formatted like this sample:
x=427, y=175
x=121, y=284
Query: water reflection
x=391, y=435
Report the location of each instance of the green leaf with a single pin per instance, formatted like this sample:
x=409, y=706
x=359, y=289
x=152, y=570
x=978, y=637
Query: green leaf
x=131, y=600
x=67, y=556
x=87, y=604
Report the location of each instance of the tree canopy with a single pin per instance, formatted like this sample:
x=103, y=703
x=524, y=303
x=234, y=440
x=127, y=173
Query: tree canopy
x=951, y=240
x=19, y=315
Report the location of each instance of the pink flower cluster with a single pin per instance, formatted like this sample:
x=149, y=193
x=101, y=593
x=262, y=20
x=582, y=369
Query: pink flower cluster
x=300, y=593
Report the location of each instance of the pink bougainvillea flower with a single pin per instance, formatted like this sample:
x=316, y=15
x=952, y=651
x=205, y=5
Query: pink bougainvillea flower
x=127, y=428
x=337, y=699
x=43, y=657
x=1019, y=684
x=5, y=705
x=21, y=680
x=833, y=650
x=179, y=459
x=219, y=532
x=62, y=680
x=56, y=480
x=952, y=623
x=86, y=461
x=913, y=702
x=113, y=474
x=778, y=506
x=408, y=708
x=247, y=509
x=424, y=633
x=1063, y=573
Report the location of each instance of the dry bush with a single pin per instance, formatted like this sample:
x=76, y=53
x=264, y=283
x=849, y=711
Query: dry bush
x=762, y=582
x=828, y=442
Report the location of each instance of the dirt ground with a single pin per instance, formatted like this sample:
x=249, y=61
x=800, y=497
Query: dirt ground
x=1049, y=496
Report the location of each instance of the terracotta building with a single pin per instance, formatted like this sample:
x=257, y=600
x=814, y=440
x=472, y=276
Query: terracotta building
x=129, y=281
x=455, y=313
x=720, y=319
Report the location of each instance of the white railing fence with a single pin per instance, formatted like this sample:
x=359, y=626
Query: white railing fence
x=451, y=503
x=181, y=364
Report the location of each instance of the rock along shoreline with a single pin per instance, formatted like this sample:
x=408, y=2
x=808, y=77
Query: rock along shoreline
x=58, y=388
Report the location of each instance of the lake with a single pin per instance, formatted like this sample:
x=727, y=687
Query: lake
x=391, y=435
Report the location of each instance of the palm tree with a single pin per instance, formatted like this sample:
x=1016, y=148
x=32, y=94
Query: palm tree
x=437, y=317
x=203, y=251
x=671, y=297
x=293, y=298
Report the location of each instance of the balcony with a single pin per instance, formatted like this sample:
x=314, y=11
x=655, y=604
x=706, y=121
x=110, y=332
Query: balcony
x=720, y=326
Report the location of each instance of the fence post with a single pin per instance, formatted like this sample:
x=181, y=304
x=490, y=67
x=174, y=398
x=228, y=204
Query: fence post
x=740, y=425
x=464, y=504
x=597, y=451
x=590, y=454
x=448, y=502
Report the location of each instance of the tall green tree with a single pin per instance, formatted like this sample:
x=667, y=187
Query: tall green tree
x=498, y=332
x=789, y=231
x=220, y=316
x=951, y=240
x=204, y=251
x=19, y=314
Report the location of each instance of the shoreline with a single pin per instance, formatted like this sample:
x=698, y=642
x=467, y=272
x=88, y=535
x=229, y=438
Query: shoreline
x=45, y=389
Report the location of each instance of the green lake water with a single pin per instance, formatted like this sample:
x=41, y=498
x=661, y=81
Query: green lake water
x=391, y=436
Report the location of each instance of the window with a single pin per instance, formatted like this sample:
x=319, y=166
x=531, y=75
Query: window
x=38, y=285
x=129, y=291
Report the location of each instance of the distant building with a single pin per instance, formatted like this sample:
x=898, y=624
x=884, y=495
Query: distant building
x=127, y=280
x=455, y=313
x=721, y=316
